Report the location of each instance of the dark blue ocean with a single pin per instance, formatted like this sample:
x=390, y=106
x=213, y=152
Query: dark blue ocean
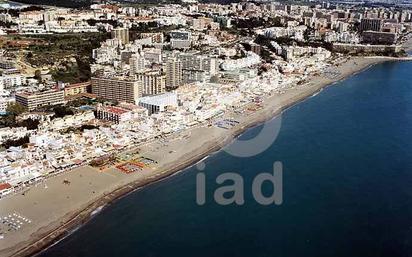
x=347, y=187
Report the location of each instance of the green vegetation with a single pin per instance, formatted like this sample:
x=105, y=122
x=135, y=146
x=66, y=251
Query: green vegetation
x=16, y=12
x=70, y=54
x=61, y=3
x=149, y=3
x=80, y=102
x=17, y=142
x=93, y=22
x=246, y=27
x=149, y=27
x=79, y=129
x=266, y=55
x=9, y=120
x=7, y=24
x=68, y=72
x=60, y=111
x=252, y=23
x=29, y=123
x=15, y=109
x=37, y=75
x=87, y=3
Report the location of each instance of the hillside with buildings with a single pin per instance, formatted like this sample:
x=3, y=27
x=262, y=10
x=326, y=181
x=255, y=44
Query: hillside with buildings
x=60, y=3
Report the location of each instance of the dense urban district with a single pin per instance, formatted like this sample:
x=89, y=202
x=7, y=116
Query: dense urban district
x=100, y=99
x=79, y=86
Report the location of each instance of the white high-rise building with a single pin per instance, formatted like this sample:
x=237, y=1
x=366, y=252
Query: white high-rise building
x=180, y=39
x=4, y=103
x=11, y=80
x=137, y=63
x=153, y=55
x=192, y=61
x=174, y=73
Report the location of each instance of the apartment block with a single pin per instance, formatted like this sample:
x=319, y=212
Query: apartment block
x=153, y=83
x=371, y=24
x=121, y=89
x=174, y=73
x=33, y=100
x=122, y=34
x=78, y=88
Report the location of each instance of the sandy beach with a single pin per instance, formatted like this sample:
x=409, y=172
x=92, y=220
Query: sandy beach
x=53, y=208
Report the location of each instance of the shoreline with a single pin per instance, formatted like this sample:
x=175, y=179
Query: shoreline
x=41, y=240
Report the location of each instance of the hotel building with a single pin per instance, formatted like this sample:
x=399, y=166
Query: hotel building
x=117, y=89
x=33, y=100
